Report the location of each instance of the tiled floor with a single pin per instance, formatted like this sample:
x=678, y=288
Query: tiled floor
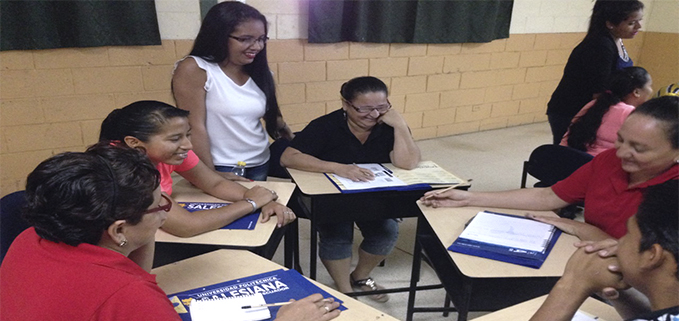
x=493, y=159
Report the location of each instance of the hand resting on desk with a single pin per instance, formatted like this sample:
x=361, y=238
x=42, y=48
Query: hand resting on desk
x=450, y=198
x=311, y=308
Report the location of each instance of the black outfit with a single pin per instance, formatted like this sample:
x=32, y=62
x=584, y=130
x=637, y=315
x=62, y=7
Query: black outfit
x=586, y=73
x=669, y=314
x=328, y=138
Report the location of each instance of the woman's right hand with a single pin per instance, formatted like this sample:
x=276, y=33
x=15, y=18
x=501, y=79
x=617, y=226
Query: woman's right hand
x=311, y=308
x=354, y=173
x=260, y=195
x=451, y=198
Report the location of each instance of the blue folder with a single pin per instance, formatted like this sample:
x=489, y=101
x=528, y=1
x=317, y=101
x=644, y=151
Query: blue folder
x=533, y=259
x=276, y=286
x=247, y=222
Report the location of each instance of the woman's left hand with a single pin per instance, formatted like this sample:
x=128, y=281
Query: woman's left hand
x=392, y=118
x=284, y=215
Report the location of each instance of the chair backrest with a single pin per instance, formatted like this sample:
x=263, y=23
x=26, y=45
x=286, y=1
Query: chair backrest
x=11, y=222
x=552, y=163
x=276, y=150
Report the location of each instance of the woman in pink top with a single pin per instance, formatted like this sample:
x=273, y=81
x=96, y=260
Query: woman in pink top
x=162, y=132
x=594, y=129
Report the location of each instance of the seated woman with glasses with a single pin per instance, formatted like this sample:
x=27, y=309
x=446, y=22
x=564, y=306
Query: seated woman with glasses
x=88, y=255
x=89, y=252
x=365, y=130
x=227, y=85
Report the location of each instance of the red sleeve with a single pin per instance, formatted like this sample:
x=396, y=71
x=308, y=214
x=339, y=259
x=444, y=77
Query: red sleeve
x=573, y=188
x=139, y=301
x=190, y=162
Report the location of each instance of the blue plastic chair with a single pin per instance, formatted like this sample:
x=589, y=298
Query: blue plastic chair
x=11, y=222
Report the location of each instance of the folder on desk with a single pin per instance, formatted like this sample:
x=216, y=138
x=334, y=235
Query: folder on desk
x=276, y=286
x=247, y=222
x=508, y=238
x=391, y=178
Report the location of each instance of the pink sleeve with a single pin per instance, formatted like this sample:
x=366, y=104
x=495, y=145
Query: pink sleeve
x=190, y=162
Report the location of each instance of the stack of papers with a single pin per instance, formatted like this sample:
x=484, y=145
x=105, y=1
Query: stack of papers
x=426, y=173
x=507, y=238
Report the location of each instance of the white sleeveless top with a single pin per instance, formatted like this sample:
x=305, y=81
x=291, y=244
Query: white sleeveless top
x=232, y=118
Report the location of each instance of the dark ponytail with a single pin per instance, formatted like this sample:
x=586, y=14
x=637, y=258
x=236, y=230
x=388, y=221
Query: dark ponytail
x=582, y=133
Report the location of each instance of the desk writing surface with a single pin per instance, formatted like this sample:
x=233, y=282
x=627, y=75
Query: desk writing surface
x=449, y=222
x=523, y=311
x=223, y=265
x=313, y=183
x=184, y=192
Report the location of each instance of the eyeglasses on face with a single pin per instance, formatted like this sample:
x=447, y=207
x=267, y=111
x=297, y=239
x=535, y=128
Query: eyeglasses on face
x=368, y=109
x=167, y=207
x=249, y=40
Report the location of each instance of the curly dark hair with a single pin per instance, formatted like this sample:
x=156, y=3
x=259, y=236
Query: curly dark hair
x=582, y=133
x=613, y=11
x=362, y=85
x=141, y=119
x=212, y=44
x=658, y=218
x=664, y=109
x=74, y=197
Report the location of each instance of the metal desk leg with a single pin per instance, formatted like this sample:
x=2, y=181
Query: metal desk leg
x=313, y=250
x=414, y=278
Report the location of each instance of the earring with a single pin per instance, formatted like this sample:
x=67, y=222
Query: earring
x=122, y=243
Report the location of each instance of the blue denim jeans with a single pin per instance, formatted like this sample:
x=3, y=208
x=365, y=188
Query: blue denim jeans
x=336, y=239
x=257, y=173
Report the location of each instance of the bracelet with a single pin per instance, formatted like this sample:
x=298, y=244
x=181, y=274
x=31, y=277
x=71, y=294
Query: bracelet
x=254, y=205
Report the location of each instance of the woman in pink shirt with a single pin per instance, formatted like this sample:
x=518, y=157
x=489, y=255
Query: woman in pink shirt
x=594, y=129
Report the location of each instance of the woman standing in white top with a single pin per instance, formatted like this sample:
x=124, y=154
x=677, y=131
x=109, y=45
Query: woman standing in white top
x=227, y=86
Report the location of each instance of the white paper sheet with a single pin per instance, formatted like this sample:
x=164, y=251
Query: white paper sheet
x=230, y=309
x=383, y=178
x=580, y=316
x=508, y=231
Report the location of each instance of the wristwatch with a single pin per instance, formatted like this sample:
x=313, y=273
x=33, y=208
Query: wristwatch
x=254, y=205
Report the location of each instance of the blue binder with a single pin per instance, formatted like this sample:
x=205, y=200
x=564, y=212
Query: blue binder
x=533, y=259
x=276, y=286
x=247, y=222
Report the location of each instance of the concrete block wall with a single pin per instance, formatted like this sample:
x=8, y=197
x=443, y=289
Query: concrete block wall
x=53, y=101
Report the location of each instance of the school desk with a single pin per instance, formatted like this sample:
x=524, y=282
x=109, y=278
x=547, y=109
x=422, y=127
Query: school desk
x=224, y=265
x=523, y=311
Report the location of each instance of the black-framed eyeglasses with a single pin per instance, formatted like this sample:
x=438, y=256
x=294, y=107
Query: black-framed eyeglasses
x=369, y=109
x=167, y=207
x=249, y=40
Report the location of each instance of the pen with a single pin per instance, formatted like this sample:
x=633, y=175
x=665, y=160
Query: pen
x=265, y=305
x=445, y=189
x=274, y=304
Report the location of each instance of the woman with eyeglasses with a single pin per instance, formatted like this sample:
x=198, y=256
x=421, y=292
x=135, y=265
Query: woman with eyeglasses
x=365, y=130
x=227, y=85
x=89, y=252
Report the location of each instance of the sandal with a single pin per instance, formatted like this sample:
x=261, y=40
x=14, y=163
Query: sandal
x=370, y=285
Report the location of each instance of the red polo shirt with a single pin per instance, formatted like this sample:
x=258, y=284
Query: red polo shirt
x=602, y=185
x=43, y=280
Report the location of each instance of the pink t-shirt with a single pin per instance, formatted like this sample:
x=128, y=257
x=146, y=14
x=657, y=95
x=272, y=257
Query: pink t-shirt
x=166, y=171
x=608, y=131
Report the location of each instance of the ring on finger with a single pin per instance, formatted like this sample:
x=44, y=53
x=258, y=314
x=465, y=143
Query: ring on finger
x=327, y=310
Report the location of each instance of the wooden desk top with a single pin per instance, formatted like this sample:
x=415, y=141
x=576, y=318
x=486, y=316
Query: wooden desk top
x=224, y=265
x=449, y=222
x=523, y=311
x=312, y=183
x=184, y=192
